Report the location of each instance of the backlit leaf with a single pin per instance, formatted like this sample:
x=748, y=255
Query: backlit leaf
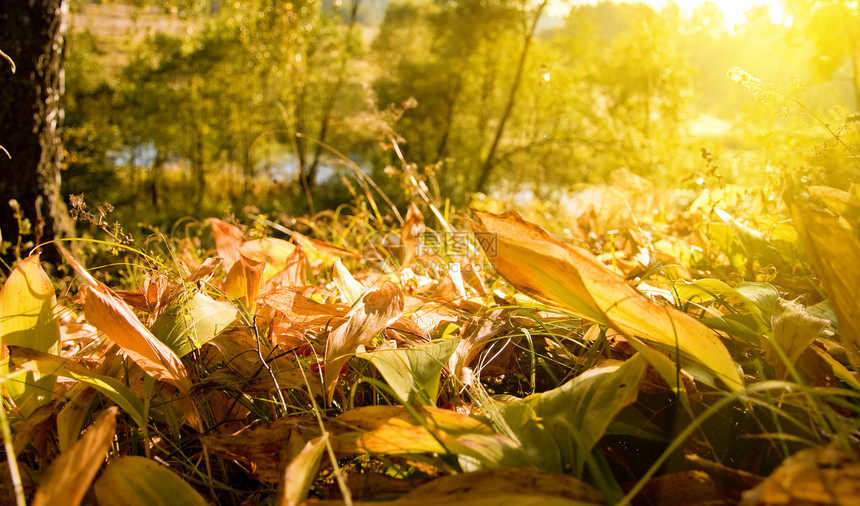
x=117, y=321
x=28, y=318
x=413, y=373
x=188, y=323
x=833, y=248
x=112, y=388
x=544, y=268
x=227, y=241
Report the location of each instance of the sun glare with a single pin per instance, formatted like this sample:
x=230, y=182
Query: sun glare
x=733, y=10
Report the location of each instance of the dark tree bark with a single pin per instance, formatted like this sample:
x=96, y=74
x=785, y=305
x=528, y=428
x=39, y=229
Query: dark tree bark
x=32, y=35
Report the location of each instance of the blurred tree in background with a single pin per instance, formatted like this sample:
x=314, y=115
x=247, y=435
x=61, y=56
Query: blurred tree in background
x=270, y=104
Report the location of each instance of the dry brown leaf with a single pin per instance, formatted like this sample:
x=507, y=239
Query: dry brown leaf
x=239, y=349
x=35, y=430
x=554, y=272
x=70, y=475
x=227, y=241
x=261, y=448
x=511, y=481
x=476, y=336
x=376, y=310
x=428, y=314
x=204, y=270
x=325, y=248
x=117, y=321
x=684, y=488
x=292, y=275
x=393, y=430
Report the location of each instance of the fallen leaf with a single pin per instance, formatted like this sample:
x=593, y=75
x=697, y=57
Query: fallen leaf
x=506, y=481
x=410, y=234
x=244, y=281
x=832, y=246
x=70, y=475
x=794, y=329
x=28, y=317
x=813, y=476
x=376, y=310
x=349, y=289
x=413, y=373
x=260, y=448
x=544, y=268
x=275, y=253
x=300, y=473
x=117, y=321
x=193, y=320
x=138, y=481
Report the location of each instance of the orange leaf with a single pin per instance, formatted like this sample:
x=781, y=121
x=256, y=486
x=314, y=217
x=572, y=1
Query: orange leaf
x=117, y=321
x=244, y=281
x=227, y=241
x=549, y=270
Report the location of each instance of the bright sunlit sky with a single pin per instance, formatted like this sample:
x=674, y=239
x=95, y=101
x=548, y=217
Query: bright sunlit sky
x=733, y=10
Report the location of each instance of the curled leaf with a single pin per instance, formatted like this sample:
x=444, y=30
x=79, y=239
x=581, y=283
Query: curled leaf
x=376, y=310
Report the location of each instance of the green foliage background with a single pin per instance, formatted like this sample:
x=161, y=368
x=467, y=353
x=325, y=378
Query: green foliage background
x=197, y=108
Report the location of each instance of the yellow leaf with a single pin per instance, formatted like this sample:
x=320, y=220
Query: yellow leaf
x=69, y=476
x=394, y=430
x=348, y=287
x=274, y=252
x=27, y=306
x=543, y=267
x=27, y=301
x=834, y=249
x=137, y=481
x=300, y=473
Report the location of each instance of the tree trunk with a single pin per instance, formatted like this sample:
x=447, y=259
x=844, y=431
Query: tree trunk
x=32, y=34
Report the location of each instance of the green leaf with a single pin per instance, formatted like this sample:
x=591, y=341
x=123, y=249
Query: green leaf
x=189, y=323
x=138, y=481
x=413, y=373
x=558, y=428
